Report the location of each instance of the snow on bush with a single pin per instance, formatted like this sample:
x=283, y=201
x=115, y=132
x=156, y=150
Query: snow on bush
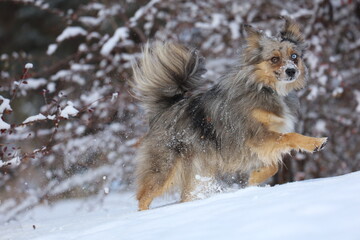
x=71, y=32
x=69, y=121
x=121, y=33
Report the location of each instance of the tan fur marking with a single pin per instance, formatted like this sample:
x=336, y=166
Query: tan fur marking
x=265, y=74
x=269, y=119
x=261, y=175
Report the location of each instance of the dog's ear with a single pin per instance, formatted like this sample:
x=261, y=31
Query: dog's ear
x=253, y=36
x=291, y=32
x=253, y=44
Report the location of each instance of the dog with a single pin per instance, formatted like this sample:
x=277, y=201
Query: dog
x=244, y=123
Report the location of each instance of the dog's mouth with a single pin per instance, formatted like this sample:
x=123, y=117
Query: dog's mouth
x=287, y=79
x=290, y=79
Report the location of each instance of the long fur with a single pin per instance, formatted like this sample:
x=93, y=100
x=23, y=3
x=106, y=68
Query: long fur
x=243, y=123
x=165, y=74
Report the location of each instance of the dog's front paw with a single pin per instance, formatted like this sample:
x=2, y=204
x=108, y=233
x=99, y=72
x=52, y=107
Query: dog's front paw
x=320, y=144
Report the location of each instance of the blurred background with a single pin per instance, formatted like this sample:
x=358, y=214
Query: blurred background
x=81, y=53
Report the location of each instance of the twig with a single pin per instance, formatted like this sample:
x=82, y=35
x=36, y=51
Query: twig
x=23, y=77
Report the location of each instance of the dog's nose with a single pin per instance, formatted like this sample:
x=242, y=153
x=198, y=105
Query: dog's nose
x=290, y=72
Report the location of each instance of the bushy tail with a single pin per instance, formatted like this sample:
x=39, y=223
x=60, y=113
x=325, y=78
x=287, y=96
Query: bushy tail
x=166, y=72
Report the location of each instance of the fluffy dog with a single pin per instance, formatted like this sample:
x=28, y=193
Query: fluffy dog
x=243, y=123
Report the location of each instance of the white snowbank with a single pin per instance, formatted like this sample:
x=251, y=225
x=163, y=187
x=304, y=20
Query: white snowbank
x=315, y=209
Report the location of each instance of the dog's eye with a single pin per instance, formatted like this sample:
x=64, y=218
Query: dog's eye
x=275, y=59
x=294, y=56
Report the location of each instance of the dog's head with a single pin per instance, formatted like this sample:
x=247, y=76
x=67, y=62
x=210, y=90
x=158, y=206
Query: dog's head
x=277, y=62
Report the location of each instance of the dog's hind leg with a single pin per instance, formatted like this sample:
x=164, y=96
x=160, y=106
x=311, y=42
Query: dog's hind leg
x=188, y=182
x=186, y=190
x=261, y=175
x=153, y=184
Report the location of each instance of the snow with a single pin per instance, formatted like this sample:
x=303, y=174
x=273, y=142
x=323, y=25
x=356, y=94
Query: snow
x=81, y=67
x=357, y=97
x=121, y=33
x=315, y=209
x=320, y=126
x=3, y=125
x=314, y=92
x=235, y=30
x=70, y=32
x=69, y=110
x=95, y=6
x=15, y=161
x=29, y=65
x=68, y=75
x=38, y=117
x=90, y=21
x=114, y=96
x=217, y=19
x=34, y=83
x=141, y=12
x=337, y=92
x=51, y=49
x=4, y=105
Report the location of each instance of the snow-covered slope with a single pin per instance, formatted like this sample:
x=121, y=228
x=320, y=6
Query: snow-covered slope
x=316, y=209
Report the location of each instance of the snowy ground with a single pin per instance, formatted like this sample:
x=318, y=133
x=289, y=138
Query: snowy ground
x=316, y=209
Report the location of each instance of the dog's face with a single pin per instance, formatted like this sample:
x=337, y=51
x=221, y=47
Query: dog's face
x=278, y=61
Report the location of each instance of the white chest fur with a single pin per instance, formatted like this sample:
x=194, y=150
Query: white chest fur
x=288, y=122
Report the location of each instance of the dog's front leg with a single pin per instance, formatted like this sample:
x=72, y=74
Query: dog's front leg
x=272, y=145
x=300, y=142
